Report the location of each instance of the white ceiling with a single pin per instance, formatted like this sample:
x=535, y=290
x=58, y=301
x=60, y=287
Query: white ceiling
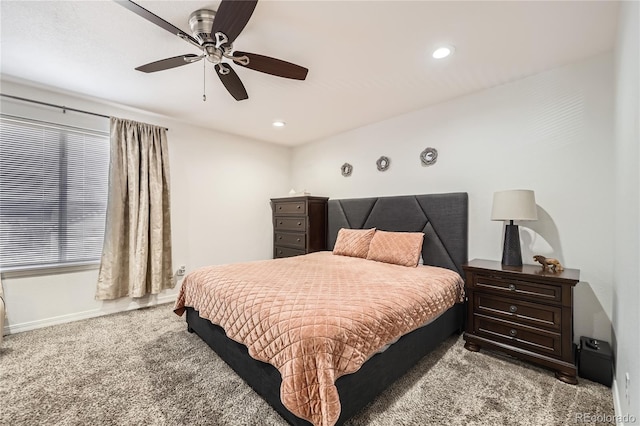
x=368, y=60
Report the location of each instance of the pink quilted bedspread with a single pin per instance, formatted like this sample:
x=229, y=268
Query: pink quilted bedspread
x=317, y=317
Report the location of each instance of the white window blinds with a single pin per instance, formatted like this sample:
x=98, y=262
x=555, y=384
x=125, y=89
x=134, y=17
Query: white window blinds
x=53, y=194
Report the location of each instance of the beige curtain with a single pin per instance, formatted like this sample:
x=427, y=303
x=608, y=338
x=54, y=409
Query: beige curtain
x=136, y=256
x=2, y=311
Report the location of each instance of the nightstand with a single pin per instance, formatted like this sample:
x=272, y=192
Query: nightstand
x=524, y=311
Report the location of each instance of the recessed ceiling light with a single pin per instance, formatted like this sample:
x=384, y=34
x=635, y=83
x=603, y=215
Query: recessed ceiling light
x=279, y=123
x=443, y=52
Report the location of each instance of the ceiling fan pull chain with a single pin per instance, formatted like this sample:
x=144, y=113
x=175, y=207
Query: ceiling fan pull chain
x=204, y=81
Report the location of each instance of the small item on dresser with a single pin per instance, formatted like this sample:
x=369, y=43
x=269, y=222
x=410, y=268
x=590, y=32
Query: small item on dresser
x=548, y=263
x=292, y=192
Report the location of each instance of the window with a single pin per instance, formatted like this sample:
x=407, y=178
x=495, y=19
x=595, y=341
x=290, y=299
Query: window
x=53, y=194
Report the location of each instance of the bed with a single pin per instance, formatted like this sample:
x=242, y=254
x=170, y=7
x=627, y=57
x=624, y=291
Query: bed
x=443, y=220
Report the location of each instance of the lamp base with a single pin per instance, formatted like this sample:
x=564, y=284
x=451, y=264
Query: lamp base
x=511, y=254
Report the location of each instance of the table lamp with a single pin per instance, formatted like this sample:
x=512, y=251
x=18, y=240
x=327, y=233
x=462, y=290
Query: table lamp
x=517, y=204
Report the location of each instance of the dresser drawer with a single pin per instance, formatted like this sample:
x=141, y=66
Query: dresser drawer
x=515, y=310
x=517, y=287
x=290, y=240
x=518, y=335
x=290, y=207
x=290, y=224
x=279, y=252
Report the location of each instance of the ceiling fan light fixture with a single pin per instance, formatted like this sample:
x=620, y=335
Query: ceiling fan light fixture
x=443, y=51
x=213, y=34
x=279, y=123
x=200, y=23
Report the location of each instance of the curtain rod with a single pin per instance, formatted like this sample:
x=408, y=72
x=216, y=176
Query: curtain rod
x=62, y=107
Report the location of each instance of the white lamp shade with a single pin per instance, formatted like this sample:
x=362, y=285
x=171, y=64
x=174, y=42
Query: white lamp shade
x=517, y=204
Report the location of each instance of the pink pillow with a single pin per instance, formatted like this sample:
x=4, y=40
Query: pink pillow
x=400, y=248
x=353, y=242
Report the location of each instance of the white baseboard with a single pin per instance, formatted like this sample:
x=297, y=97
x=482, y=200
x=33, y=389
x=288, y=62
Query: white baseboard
x=76, y=316
x=616, y=399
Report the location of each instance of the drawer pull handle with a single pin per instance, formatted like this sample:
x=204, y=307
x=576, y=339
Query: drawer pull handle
x=299, y=223
x=279, y=207
x=279, y=237
x=298, y=207
x=279, y=251
x=513, y=332
x=298, y=239
x=513, y=308
x=280, y=223
x=512, y=287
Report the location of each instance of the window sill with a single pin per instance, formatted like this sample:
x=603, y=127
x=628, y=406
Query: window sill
x=34, y=271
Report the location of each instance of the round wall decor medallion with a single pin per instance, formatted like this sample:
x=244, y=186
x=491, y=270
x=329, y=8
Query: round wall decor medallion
x=346, y=169
x=383, y=163
x=429, y=156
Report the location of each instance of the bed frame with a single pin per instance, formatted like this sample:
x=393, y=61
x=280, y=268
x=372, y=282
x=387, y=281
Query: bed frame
x=444, y=220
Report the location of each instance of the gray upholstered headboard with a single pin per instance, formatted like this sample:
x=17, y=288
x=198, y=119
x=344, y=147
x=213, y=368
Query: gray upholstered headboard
x=442, y=217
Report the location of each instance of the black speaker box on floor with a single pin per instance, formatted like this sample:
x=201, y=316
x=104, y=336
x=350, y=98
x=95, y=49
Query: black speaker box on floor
x=595, y=362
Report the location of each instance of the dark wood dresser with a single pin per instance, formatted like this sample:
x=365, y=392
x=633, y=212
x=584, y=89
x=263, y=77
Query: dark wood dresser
x=299, y=225
x=524, y=311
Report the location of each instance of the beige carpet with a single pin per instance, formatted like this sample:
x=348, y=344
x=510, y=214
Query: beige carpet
x=144, y=368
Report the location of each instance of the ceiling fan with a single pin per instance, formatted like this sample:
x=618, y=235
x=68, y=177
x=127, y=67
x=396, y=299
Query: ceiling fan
x=214, y=33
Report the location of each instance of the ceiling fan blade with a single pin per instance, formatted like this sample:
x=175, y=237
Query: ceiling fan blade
x=232, y=16
x=273, y=66
x=232, y=82
x=165, y=64
x=141, y=11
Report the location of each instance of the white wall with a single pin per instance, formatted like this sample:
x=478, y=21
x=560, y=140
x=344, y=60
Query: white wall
x=551, y=133
x=626, y=292
x=220, y=190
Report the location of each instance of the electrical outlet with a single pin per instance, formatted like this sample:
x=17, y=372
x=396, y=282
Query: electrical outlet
x=627, y=382
x=181, y=270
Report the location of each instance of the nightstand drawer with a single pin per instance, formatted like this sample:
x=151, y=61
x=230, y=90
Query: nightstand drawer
x=279, y=252
x=290, y=223
x=520, y=288
x=530, y=338
x=290, y=207
x=528, y=313
x=290, y=240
